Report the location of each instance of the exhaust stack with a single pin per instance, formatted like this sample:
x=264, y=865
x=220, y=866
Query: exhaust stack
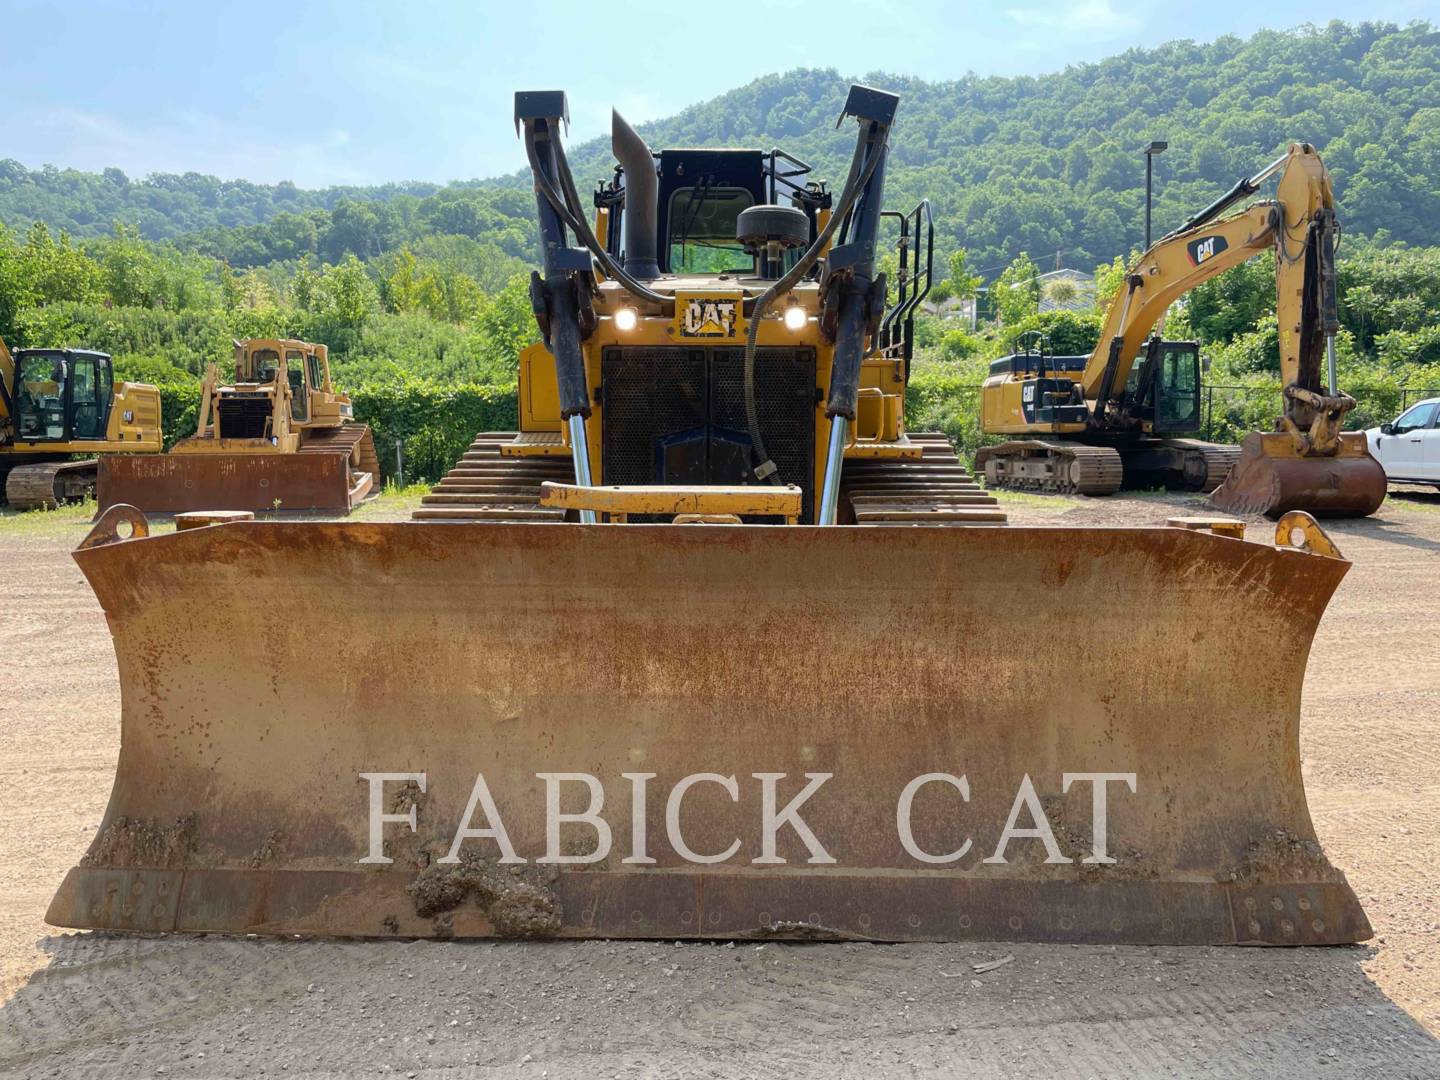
x=642, y=200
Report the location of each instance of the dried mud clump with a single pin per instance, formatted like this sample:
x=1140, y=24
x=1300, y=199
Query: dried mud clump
x=788, y=930
x=1283, y=856
x=266, y=852
x=1070, y=822
x=515, y=907
x=133, y=843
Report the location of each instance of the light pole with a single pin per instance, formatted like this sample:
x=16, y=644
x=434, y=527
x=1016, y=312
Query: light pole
x=1155, y=147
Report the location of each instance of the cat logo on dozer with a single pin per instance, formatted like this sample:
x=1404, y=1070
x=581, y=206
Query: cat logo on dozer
x=708, y=317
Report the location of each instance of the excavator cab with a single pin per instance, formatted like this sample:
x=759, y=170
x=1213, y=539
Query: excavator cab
x=1163, y=390
x=62, y=394
x=58, y=403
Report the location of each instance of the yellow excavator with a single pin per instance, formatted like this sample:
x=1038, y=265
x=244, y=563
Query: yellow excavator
x=694, y=671
x=1109, y=420
x=56, y=404
x=277, y=437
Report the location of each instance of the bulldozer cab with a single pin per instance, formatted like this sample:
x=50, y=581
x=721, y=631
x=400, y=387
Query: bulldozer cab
x=306, y=370
x=702, y=193
x=62, y=395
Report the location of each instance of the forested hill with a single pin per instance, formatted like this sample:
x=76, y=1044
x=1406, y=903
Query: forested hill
x=1039, y=165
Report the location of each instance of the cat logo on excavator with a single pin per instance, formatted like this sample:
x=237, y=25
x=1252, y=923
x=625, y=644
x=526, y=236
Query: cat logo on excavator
x=1205, y=248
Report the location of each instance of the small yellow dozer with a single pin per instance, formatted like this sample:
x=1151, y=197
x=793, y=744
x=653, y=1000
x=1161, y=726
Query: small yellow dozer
x=563, y=710
x=280, y=437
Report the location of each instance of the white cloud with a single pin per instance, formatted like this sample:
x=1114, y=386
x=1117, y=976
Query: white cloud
x=177, y=141
x=591, y=118
x=1094, y=17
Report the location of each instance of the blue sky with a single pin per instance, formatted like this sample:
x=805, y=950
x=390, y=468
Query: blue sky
x=364, y=92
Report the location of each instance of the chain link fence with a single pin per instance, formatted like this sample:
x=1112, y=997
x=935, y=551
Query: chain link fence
x=1228, y=411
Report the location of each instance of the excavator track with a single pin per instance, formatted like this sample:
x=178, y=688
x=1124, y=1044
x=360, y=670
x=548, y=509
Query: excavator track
x=486, y=486
x=1213, y=465
x=937, y=489
x=1058, y=468
x=46, y=485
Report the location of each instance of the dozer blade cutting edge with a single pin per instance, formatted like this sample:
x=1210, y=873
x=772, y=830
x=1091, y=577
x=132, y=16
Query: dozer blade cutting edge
x=1271, y=478
x=729, y=731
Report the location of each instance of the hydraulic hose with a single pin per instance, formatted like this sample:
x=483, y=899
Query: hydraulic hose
x=855, y=183
x=578, y=225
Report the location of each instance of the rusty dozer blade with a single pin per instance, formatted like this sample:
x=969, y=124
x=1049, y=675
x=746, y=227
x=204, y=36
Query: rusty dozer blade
x=1272, y=478
x=721, y=732
x=176, y=483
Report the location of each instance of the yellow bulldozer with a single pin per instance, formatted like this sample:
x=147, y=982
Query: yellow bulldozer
x=56, y=404
x=277, y=437
x=1094, y=424
x=692, y=387
x=690, y=672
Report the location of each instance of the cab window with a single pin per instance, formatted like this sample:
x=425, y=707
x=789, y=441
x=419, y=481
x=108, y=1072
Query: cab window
x=263, y=365
x=702, y=230
x=1420, y=416
x=317, y=380
x=87, y=420
x=1177, y=403
x=40, y=397
x=295, y=372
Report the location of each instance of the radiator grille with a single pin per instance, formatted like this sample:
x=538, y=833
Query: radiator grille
x=653, y=397
x=244, y=416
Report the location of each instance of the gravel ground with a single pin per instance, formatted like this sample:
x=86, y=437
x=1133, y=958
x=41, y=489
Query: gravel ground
x=103, y=1005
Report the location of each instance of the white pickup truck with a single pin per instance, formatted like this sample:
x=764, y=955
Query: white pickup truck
x=1409, y=448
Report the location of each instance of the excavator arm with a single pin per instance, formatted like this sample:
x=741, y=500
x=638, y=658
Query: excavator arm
x=1299, y=219
x=1306, y=463
x=1165, y=273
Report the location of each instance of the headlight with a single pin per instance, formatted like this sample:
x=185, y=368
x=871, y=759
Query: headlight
x=625, y=319
x=795, y=318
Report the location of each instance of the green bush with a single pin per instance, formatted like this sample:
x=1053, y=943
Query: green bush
x=434, y=422
x=946, y=398
x=1071, y=333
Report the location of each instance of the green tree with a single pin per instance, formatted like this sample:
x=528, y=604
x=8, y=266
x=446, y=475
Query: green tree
x=130, y=271
x=961, y=282
x=1016, y=292
x=345, y=295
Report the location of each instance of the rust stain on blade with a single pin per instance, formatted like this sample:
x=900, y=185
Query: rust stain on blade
x=176, y=483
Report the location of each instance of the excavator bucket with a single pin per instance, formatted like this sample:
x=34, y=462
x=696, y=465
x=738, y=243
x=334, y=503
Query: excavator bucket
x=732, y=731
x=1272, y=478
